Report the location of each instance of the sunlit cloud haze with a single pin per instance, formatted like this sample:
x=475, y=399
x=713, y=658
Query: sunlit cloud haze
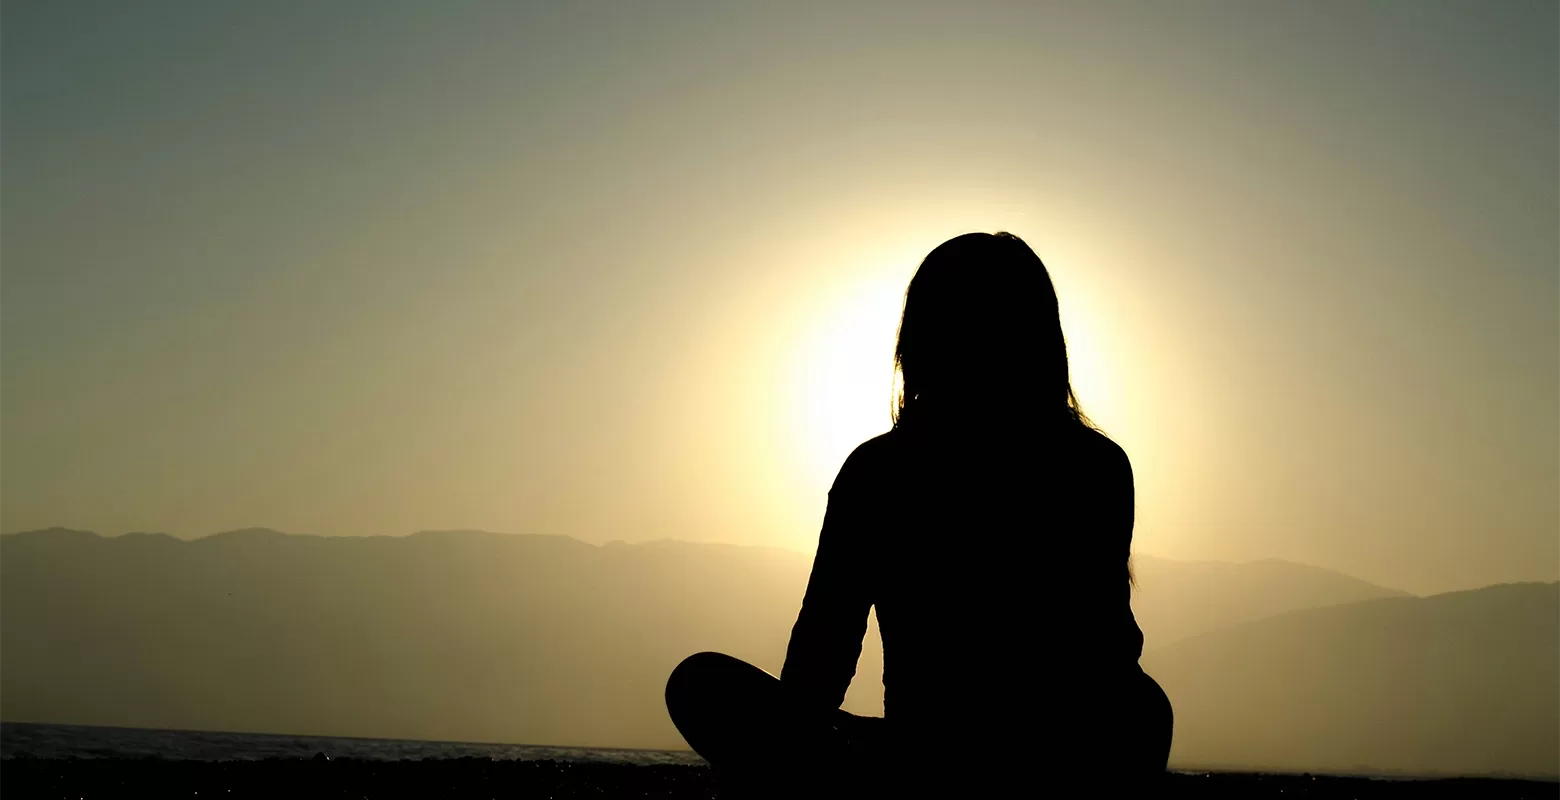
x=632, y=271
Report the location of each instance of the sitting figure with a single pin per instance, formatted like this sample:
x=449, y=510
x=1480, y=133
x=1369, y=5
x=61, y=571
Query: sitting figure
x=990, y=529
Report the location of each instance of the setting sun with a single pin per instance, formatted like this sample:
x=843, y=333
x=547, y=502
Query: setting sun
x=842, y=379
x=843, y=376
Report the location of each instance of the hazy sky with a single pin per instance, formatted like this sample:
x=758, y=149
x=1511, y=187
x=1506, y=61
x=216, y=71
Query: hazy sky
x=631, y=270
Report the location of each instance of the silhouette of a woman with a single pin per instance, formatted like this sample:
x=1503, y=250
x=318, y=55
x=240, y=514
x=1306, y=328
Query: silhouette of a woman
x=990, y=529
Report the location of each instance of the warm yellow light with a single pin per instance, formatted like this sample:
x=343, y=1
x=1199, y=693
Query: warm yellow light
x=842, y=376
x=841, y=380
x=1090, y=371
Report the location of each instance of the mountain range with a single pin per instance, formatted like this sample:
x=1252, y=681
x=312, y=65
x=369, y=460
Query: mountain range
x=1459, y=683
x=474, y=636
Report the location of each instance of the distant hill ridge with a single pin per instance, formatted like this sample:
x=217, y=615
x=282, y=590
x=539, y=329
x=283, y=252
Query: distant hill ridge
x=1209, y=595
x=262, y=532
x=478, y=636
x=1458, y=683
x=1173, y=599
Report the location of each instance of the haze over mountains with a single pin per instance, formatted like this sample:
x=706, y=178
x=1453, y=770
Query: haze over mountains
x=1177, y=599
x=1457, y=683
x=538, y=639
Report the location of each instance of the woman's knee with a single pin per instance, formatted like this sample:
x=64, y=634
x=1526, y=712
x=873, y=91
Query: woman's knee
x=690, y=677
x=706, y=679
x=723, y=707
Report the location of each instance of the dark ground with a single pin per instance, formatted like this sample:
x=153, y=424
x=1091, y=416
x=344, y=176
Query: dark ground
x=470, y=777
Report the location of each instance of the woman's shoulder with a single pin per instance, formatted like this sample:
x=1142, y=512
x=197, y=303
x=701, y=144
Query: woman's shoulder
x=870, y=458
x=1098, y=444
x=875, y=451
x=1103, y=452
x=880, y=455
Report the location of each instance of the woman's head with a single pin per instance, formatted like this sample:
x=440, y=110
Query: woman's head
x=981, y=335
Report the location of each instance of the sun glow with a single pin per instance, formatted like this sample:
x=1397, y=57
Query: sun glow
x=835, y=341
x=1087, y=367
x=842, y=376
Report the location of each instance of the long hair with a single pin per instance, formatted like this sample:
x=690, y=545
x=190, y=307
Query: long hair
x=981, y=334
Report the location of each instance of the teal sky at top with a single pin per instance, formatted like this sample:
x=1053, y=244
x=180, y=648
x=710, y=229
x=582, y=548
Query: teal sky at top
x=373, y=267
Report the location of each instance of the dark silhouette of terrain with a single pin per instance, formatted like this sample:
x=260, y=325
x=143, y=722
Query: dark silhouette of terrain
x=538, y=639
x=484, y=778
x=1458, y=683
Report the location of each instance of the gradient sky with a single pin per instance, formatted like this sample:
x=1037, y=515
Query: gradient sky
x=631, y=271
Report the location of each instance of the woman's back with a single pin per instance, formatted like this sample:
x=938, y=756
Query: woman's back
x=992, y=562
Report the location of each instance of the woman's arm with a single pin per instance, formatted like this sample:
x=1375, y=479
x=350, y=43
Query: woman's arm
x=826, y=640
x=1120, y=514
